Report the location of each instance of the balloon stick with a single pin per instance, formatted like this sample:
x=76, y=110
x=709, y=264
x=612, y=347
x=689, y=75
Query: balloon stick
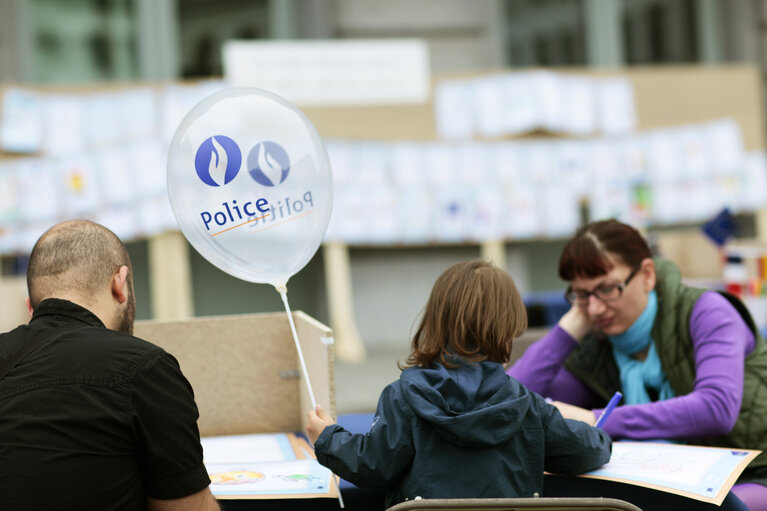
x=284, y=294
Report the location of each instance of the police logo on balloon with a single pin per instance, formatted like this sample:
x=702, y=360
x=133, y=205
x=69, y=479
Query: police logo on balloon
x=218, y=160
x=269, y=165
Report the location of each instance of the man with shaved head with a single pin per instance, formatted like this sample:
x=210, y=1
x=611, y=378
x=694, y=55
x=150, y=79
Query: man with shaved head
x=90, y=416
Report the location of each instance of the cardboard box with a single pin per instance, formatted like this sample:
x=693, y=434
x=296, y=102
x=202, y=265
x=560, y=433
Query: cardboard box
x=245, y=369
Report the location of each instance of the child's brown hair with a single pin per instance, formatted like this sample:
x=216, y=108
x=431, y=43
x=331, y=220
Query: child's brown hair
x=474, y=311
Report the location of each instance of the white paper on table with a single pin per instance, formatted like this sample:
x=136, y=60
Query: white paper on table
x=247, y=448
x=262, y=464
x=289, y=478
x=702, y=473
x=21, y=125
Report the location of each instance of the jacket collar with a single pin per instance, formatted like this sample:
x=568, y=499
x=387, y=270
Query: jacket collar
x=64, y=310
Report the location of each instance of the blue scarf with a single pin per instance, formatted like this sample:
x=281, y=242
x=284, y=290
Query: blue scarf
x=639, y=375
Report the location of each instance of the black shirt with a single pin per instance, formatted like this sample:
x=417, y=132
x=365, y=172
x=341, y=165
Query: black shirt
x=94, y=419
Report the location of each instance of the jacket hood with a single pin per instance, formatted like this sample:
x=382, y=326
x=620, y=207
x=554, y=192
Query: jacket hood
x=472, y=405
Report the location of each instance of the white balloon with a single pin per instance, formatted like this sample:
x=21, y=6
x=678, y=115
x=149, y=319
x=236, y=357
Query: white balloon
x=250, y=184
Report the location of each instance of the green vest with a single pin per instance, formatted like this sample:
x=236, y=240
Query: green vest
x=593, y=363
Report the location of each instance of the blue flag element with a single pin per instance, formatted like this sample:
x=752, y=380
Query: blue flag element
x=721, y=228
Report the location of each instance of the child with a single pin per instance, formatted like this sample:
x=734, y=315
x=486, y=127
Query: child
x=455, y=425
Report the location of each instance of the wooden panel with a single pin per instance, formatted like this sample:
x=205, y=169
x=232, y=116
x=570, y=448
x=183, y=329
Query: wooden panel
x=13, y=292
x=317, y=345
x=243, y=368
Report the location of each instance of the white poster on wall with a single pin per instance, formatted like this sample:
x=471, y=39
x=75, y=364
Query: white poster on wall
x=333, y=72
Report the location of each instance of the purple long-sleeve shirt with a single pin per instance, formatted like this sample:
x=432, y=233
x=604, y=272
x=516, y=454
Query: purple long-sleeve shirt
x=721, y=341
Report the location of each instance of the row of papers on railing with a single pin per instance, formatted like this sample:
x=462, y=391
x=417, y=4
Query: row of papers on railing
x=102, y=155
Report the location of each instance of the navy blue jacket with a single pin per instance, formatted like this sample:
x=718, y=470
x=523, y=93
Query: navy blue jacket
x=469, y=431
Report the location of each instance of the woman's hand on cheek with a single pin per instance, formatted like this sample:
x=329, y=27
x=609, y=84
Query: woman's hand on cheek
x=576, y=323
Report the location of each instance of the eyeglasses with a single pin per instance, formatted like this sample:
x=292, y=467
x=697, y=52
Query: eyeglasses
x=605, y=293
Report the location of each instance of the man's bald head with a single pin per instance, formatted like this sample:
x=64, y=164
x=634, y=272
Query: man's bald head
x=76, y=257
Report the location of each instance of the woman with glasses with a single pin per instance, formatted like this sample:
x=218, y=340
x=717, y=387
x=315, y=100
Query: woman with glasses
x=690, y=363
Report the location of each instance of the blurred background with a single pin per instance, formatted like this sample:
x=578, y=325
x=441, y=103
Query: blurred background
x=455, y=129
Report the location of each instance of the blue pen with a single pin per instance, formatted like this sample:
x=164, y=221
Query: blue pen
x=607, y=411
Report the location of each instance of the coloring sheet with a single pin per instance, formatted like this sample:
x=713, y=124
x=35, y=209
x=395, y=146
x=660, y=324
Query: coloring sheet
x=278, y=465
x=702, y=473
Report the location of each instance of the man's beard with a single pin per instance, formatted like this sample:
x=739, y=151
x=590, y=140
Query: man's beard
x=124, y=318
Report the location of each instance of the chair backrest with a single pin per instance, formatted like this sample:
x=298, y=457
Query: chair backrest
x=538, y=504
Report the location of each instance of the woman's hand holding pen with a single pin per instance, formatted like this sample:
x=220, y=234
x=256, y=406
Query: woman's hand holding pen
x=576, y=323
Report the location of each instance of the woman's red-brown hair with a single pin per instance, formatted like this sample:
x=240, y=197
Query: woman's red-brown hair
x=595, y=248
x=474, y=312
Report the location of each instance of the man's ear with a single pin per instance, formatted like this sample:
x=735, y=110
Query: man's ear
x=120, y=284
x=30, y=310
